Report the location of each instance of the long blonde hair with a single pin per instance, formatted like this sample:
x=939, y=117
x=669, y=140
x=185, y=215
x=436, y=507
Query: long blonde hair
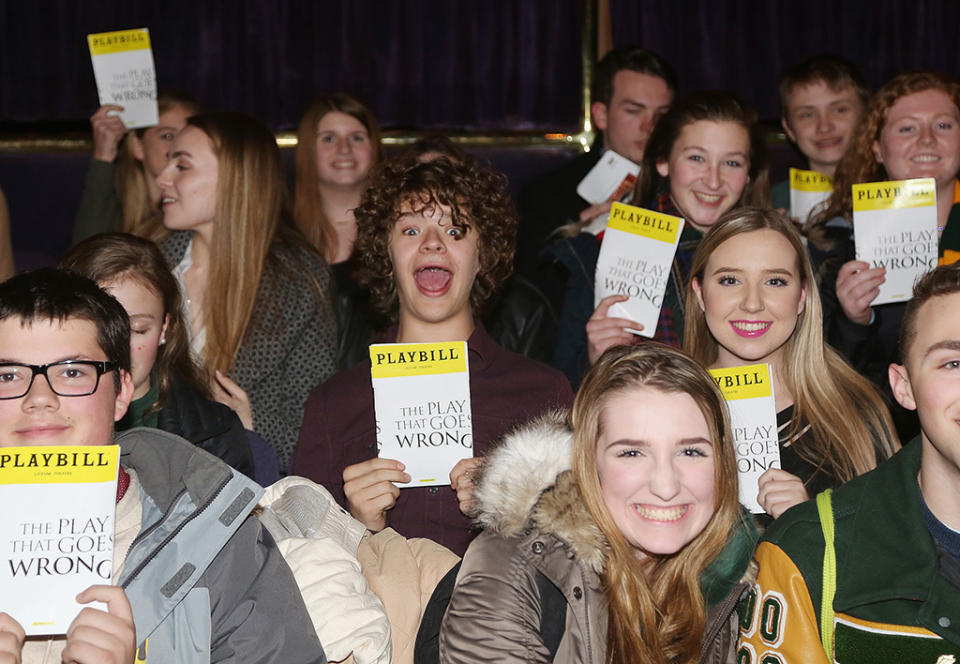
x=308, y=205
x=656, y=611
x=140, y=215
x=252, y=212
x=850, y=423
x=860, y=164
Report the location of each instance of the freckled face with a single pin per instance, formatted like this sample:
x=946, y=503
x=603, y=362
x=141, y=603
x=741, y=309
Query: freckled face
x=148, y=322
x=655, y=461
x=921, y=138
x=435, y=265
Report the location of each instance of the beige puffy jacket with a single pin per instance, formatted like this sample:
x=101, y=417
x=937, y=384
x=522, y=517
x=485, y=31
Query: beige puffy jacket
x=534, y=521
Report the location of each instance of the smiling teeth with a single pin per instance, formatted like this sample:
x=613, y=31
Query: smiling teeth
x=925, y=158
x=661, y=513
x=708, y=198
x=167, y=199
x=750, y=327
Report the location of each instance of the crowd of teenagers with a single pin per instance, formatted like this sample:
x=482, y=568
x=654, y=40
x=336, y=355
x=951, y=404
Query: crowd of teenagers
x=217, y=328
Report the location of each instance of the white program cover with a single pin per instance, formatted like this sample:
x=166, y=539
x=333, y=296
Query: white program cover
x=56, y=530
x=753, y=418
x=895, y=227
x=609, y=179
x=635, y=259
x=421, y=393
x=808, y=190
x=125, y=73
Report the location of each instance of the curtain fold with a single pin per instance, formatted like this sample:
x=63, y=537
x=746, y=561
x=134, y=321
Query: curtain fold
x=504, y=64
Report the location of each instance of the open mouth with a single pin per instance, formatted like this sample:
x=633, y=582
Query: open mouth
x=750, y=328
x=925, y=158
x=662, y=514
x=433, y=280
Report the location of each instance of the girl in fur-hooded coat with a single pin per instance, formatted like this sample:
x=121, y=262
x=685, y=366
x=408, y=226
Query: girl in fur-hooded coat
x=535, y=521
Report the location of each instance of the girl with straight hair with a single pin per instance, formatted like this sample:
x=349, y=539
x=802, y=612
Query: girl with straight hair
x=256, y=292
x=627, y=509
x=338, y=142
x=752, y=299
x=121, y=192
x=705, y=156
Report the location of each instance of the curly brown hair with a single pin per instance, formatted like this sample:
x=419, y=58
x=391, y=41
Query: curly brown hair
x=478, y=199
x=860, y=164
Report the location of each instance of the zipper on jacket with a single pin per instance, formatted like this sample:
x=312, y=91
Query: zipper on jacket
x=176, y=531
x=586, y=613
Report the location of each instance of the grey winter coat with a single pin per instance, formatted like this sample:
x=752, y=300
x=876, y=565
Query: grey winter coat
x=205, y=581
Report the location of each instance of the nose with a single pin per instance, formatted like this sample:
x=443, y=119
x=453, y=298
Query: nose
x=824, y=124
x=431, y=241
x=752, y=298
x=664, y=479
x=712, y=176
x=926, y=134
x=343, y=145
x=165, y=179
x=40, y=395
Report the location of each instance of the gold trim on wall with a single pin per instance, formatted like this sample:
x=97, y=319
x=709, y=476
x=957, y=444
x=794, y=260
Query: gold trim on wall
x=81, y=141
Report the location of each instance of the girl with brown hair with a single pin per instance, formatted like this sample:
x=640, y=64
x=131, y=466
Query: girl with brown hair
x=256, y=292
x=628, y=508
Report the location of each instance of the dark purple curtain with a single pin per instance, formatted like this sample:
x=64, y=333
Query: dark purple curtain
x=509, y=64
x=745, y=45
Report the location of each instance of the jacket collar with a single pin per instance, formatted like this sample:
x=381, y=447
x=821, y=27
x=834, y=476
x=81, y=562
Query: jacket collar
x=526, y=481
x=166, y=463
x=888, y=540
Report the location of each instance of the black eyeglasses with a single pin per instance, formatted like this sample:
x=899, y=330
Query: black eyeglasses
x=69, y=378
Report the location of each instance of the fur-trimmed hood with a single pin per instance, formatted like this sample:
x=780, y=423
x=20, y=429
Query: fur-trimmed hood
x=526, y=481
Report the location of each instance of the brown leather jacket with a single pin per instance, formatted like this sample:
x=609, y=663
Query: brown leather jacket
x=534, y=521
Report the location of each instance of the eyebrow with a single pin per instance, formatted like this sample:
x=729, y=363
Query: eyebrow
x=639, y=442
x=141, y=316
x=71, y=358
x=948, y=344
x=180, y=153
x=777, y=270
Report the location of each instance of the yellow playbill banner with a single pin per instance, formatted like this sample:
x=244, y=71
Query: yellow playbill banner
x=810, y=181
x=894, y=195
x=640, y=221
x=746, y=382
x=102, y=43
x=59, y=465
x=400, y=360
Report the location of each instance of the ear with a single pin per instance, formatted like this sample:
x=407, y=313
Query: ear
x=124, y=396
x=900, y=384
x=788, y=130
x=698, y=290
x=599, y=111
x=877, y=154
x=803, y=300
x=663, y=168
x=136, y=146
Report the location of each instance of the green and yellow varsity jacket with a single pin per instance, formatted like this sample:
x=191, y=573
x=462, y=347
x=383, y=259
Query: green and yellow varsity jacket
x=892, y=602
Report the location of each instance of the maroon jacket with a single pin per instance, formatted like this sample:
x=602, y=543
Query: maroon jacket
x=339, y=425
